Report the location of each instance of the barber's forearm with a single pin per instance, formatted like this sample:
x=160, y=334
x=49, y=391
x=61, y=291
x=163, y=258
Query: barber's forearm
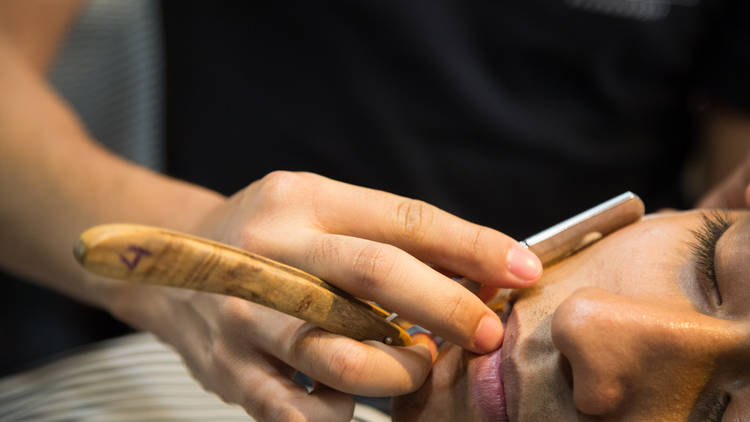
x=55, y=182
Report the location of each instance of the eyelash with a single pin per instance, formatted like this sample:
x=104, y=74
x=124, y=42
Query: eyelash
x=704, y=247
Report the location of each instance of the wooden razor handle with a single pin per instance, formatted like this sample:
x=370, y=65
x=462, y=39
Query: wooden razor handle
x=158, y=256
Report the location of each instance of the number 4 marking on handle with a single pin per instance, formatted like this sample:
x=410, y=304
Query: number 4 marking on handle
x=131, y=264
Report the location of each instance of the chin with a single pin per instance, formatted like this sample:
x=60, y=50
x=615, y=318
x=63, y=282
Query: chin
x=462, y=386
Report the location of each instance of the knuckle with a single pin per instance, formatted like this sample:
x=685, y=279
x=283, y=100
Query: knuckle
x=279, y=186
x=234, y=309
x=304, y=344
x=238, y=319
x=245, y=238
x=326, y=250
x=372, y=264
x=414, y=219
x=453, y=310
x=475, y=244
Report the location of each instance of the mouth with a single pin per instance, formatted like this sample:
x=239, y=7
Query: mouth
x=486, y=381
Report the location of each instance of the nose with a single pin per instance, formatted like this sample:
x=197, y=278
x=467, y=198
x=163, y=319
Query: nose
x=623, y=351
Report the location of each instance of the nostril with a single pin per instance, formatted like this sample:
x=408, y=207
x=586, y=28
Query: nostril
x=566, y=370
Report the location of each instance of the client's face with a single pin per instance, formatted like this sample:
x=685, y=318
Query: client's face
x=651, y=323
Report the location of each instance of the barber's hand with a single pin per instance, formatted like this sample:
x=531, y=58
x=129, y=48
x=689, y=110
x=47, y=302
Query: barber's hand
x=370, y=243
x=732, y=192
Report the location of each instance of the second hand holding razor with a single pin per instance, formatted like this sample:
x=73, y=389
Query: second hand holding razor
x=158, y=256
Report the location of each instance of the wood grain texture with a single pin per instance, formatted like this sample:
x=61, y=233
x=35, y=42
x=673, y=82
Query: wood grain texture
x=158, y=256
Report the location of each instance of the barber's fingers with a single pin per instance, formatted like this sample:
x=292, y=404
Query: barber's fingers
x=427, y=232
x=354, y=367
x=268, y=394
x=402, y=284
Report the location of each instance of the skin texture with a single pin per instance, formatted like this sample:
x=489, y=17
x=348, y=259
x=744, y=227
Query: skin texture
x=622, y=331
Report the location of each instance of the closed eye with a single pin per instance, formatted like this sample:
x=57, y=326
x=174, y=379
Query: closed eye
x=703, y=249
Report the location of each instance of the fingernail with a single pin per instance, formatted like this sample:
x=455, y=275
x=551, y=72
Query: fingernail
x=489, y=334
x=523, y=263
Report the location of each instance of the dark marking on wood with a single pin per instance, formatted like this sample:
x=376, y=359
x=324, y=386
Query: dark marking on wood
x=139, y=252
x=304, y=304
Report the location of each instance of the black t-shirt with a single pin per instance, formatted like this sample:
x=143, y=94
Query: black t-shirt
x=511, y=114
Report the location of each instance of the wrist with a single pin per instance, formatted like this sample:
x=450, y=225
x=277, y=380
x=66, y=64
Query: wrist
x=195, y=209
x=140, y=306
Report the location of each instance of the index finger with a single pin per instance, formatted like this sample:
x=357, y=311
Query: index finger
x=427, y=232
x=402, y=283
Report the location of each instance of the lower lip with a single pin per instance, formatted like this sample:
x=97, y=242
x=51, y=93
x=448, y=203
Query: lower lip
x=487, y=386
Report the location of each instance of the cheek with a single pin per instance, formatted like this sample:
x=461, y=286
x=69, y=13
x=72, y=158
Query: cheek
x=675, y=400
x=645, y=267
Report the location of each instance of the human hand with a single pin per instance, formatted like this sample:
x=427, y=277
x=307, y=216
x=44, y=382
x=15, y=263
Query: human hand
x=732, y=192
x=372, y=244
